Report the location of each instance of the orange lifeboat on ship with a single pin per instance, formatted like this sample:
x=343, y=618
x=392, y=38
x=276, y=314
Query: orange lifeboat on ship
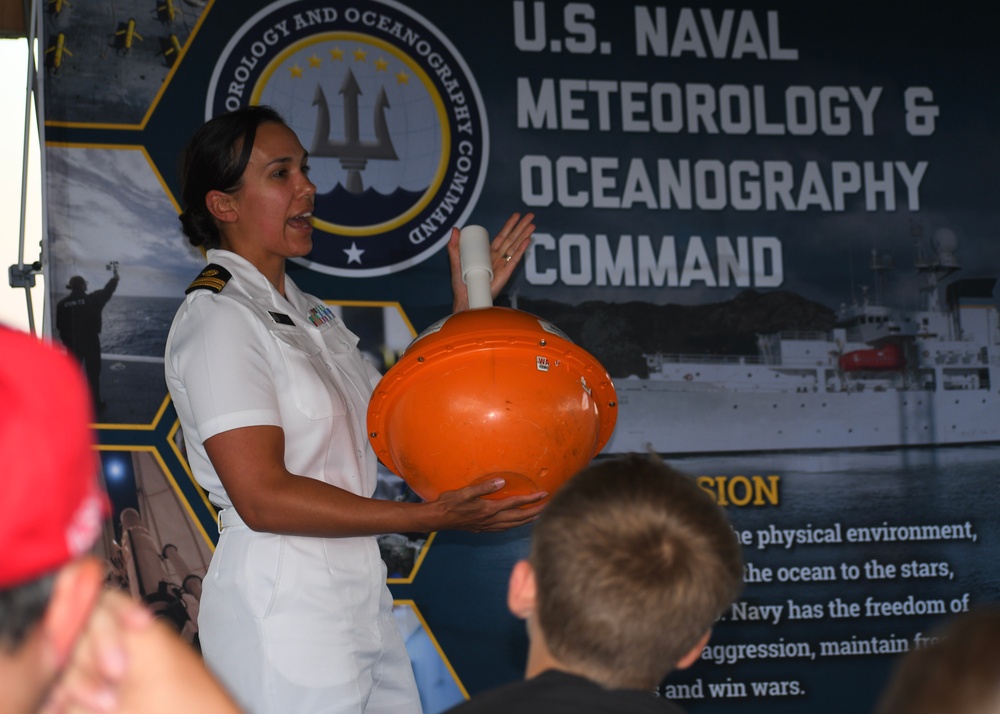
x=887, y=357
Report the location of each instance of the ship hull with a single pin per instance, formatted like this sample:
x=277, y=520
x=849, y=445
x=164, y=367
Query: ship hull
x=678, y=418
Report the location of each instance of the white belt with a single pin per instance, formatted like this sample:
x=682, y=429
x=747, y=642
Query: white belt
x=227, y=518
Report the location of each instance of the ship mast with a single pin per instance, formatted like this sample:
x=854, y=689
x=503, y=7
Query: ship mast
x=880, y=265
x=937, y=267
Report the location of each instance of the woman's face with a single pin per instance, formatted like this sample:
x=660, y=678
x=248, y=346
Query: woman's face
x=274, y=205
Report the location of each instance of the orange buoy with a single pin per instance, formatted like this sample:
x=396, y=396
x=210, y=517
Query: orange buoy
x=489, y=392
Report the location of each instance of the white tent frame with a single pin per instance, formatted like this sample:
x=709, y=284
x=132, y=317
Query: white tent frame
x=21, y=274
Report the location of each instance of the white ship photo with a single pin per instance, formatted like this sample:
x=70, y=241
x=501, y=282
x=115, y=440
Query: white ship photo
x=881, y=377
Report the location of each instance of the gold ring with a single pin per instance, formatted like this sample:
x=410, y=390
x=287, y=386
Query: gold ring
x=507, y=257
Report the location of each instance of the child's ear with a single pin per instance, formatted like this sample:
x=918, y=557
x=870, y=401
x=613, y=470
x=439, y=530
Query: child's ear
x=74, y=594
x=521, y=590
x=694, y=653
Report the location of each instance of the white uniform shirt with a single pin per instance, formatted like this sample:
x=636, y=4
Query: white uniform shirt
x=233, y=361
x=291, y=624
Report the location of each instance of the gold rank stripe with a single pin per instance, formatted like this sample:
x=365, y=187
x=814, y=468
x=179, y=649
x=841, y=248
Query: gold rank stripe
x=213, y=277
x=211, y=283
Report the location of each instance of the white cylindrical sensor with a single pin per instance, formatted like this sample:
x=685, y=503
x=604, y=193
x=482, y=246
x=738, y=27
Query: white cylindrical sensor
x=477, y=267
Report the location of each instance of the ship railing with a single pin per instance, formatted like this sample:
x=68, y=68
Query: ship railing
x=953, y=359
x=655, y=360
x=802, y=335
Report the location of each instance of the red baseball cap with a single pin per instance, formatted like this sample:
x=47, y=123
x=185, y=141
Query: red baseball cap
x=52, y=506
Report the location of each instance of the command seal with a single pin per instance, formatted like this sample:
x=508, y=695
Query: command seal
x=389, y=112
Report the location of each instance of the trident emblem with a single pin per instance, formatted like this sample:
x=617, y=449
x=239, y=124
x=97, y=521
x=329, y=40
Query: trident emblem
x=352, y=152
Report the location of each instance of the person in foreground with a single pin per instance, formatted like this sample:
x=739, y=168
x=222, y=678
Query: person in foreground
x=66, y=645
x=958, y=673
x=272, y=396
x=631, y=564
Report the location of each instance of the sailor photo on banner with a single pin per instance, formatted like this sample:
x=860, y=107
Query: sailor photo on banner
x=774, y=226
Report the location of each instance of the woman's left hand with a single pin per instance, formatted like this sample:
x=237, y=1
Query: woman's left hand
x=506, y=252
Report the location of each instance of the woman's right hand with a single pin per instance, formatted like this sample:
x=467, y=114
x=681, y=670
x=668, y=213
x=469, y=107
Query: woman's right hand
x=466, y=509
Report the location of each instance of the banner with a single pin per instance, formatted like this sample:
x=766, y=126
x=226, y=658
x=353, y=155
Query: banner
x=774, y=226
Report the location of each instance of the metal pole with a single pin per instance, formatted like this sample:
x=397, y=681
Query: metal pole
x=22, y=275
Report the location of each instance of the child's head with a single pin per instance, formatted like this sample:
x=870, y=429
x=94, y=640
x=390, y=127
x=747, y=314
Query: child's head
x=633, y=564
x=959, y=672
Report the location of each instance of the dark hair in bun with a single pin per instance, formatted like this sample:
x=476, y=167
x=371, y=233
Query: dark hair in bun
x=214, y=160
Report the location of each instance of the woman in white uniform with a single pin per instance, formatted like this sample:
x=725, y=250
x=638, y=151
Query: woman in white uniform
x=272, y=394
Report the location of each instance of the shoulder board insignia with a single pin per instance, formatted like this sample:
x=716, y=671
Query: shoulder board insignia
x=213, y=277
